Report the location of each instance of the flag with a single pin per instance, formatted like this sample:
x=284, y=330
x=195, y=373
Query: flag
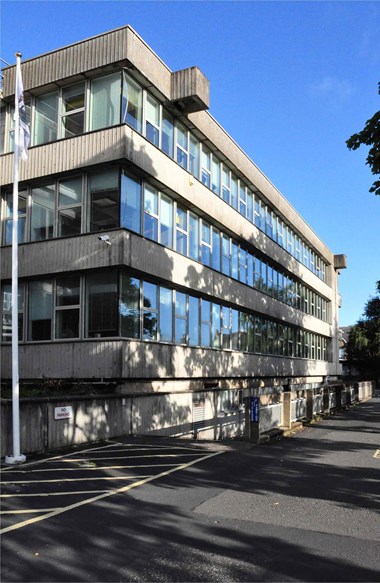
x=23, y=138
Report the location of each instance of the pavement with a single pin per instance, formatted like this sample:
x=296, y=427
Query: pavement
x=305, y=508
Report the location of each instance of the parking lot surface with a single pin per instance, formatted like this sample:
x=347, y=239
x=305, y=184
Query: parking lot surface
x=43, y=489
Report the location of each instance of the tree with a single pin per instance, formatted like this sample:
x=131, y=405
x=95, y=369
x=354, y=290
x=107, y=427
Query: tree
x=363, y=346
x=370, y=136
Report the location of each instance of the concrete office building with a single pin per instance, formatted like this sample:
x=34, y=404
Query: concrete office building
x=153, y=251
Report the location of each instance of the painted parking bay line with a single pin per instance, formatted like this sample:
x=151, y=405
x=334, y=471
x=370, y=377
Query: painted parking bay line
x=107, y=494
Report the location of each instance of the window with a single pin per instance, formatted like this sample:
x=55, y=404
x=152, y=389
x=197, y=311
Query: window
x=193, y=321
x=215, y=173
x=216, y=325
x=69, y=207
x=166, y=221
x=182, y=154
x=7, y=313
x=242, y=200
x=72, y=115
x=21, y=222
x=166, y=314
x=206, y=167
x=234, y=191
x=194, y=156
x=102, y=305
x=42, y=219
x=258, y=334
x=150, y=213
x=206, y=244
x=234, y=260
x=194, y=237
x=226, y=255
x=105, y=102
x=67, y=307
x=243, y=265
x=226, y=184
x=234, y=329
x=150, y=311
x=216, y=249
x=249, y=206
x=3, y=111
x=132, y=103
x=40, y=310
x=180, y=318
x=104, y=200
x=152, y=120
x=226, y=327
x=205, y=323
x=45, y=118
x=181, y=230
x=130, y=203
x=167, y=145
x=129, y=307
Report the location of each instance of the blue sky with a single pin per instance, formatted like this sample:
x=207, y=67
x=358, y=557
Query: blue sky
x=289, y=81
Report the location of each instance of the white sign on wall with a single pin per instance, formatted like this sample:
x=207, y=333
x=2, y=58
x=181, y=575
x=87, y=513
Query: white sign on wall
x=63, y=412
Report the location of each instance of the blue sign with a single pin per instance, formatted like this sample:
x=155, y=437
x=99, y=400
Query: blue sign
x=254, y=409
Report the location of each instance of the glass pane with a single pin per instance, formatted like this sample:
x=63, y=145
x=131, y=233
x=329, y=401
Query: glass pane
x=7, y=313
x=193, y=321
x=45, y=119
x=166, y=315
x=180, y=322
x=194, y=157
x=69, y=222
x=105, y=102
x=130, y=206
x=151, y=214
x=166, y=221
x=67, y=324
x=152, y=120
x=70, y=192
x=182, y=139
x=167, y=133
x=215, y=166
x=234, y=330
x=21, y=231
x=129, y=307
x=194, y=237
x=73, y=124
x=216, y=249
x=67, y=293
x=40, y=309
x=180, y=304
x=2, y=127
x=104, y=200
x=73, y=98
x=42, y=220
x=150, y=316
x=132, y=103
x=102, y=305
x=215, y=325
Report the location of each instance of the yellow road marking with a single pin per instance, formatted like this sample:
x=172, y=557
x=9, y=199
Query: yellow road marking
x=71, y=480
x=30, y=511
x=93, y=459
x=79, y=468
x=107, y=494
x=57, y=457
x=16, y=495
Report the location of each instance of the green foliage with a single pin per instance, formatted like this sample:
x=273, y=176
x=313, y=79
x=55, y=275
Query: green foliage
x=370, y=136
x=363, y=346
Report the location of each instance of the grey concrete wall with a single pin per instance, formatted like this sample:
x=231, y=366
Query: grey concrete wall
x=99, y=418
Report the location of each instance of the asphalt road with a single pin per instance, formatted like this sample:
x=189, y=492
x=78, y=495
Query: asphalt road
x=305, y=508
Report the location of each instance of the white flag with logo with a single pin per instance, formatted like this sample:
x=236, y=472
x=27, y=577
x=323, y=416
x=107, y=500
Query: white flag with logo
x=23, y=138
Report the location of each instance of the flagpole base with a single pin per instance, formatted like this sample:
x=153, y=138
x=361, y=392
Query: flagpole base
x=14, y=459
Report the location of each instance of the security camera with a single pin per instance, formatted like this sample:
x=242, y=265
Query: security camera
x=105, y=238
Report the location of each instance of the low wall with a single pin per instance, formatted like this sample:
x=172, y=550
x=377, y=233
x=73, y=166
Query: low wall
x=52, y=423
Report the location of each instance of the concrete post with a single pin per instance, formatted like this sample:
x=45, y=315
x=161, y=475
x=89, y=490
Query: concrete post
x=286, y=409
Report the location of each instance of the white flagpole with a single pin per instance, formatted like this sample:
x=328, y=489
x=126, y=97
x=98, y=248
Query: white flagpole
x=17, y=457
